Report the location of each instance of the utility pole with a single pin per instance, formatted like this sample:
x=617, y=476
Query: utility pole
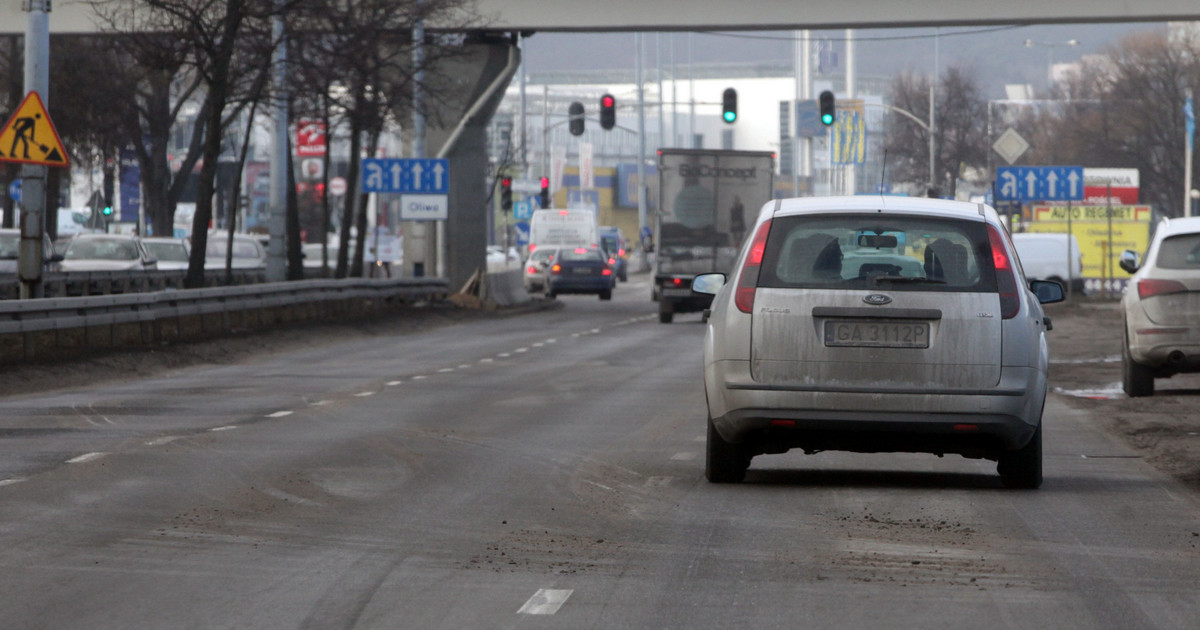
x=276, y=260
x=33, y=176
x=641, y=163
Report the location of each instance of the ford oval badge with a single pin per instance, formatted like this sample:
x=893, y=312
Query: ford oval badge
x=877, y=299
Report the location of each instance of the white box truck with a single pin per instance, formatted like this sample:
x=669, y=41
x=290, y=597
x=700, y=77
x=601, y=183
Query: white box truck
x=563, y=228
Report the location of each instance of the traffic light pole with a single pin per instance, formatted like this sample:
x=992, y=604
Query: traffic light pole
x=33, y=176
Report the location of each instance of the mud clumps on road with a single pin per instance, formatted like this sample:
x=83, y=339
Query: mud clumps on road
x=1085, y=369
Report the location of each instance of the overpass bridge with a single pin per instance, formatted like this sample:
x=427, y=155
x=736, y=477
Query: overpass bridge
x=495, y=60
x=76, y=16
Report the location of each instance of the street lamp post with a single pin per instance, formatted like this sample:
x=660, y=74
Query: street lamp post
x=1050, y=46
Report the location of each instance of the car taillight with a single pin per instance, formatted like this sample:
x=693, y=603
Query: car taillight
x=531, y=269
x=1149, y=287
x=556, y=269
x=532, y=247
x=580, y=250
x=606, y=272
x=743, y=297
x=621, y=252
x=612, y=261
x=1006, y=279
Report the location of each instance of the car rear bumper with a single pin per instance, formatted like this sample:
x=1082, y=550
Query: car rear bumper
x=590, y=284
x=975, y=422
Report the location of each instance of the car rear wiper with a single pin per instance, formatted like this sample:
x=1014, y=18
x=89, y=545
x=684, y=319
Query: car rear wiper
x=906, y=280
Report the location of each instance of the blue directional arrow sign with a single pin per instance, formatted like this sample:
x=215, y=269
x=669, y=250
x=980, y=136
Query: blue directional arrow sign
x=406, y=175
x=1039, y=183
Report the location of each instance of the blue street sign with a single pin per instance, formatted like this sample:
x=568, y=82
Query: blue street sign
x=14, y=190
x=522, y=210
x=1039, y=183
x=522, y=231
x=406, y=175
x=808, y=120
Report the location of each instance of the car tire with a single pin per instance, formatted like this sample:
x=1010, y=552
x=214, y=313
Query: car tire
x=606, y=295
x=550, y=295
x=1022, y=468
x=1136, y=379
x=724, y=462
x=665, y=317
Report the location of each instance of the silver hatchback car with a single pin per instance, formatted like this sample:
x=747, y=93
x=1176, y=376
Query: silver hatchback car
x=877, y=324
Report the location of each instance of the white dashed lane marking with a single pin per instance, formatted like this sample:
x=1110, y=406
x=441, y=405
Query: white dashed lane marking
x=228, y=427
x=364, y=394
x=279, y=414
x=545, y=602
x=394, y=383
x=683, y=457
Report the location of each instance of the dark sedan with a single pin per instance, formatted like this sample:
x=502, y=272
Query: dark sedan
x=580, y=270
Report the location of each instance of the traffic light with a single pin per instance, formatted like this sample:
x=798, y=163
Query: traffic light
x=106, y=211
x=828, y=109
x=506, y=194
x=608, y=111
x=575, y=115
x=545, y=198
x=729, y=105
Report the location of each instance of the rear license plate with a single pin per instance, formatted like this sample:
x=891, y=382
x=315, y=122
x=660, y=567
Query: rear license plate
x=583, y=270
x=677, y=292
x=877, y=334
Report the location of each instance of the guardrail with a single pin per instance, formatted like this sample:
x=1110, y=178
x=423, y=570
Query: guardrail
x=65, y=327
x=78, y=283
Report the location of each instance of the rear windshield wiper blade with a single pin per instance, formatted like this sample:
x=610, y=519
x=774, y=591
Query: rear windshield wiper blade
x=906, y=280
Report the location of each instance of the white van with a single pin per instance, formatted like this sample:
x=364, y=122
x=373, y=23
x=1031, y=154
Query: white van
x=563, y=228
x=1044, y=257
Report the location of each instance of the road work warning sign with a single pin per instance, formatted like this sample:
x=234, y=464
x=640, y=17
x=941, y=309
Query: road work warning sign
x=30, y=138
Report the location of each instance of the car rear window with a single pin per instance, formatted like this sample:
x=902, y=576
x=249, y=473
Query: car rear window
x=874, y=251
x=1180, y=252
x=570, y=255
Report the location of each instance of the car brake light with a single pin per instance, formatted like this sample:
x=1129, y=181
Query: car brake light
x=612, y=261
x=743, y=297
x=531, y=269
x=1006, y=280
x=562, y=213
x=606, y=272
x=1149, y=287
x=556, y=269
x=677, y=281
x=580, y=250
x=621, y=252
x=532, y=247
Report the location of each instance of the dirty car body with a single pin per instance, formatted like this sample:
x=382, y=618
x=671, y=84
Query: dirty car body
x=875, y=324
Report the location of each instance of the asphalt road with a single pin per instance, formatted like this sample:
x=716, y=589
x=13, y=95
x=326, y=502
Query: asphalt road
x=544, y=471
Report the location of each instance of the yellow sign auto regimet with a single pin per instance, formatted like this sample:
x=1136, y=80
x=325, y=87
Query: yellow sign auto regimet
x=30, y=138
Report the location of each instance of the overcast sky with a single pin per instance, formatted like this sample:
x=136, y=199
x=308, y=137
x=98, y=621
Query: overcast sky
x=996, y=54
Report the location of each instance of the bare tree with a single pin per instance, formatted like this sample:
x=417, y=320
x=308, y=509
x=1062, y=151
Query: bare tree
x=960, y=129
x=1127, y=111
x=364, y=48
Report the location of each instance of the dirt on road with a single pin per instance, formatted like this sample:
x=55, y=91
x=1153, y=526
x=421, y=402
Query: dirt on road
x=1085, y=369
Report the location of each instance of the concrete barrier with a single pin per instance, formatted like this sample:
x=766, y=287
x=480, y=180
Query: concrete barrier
x=505, y=288
x=54, y=328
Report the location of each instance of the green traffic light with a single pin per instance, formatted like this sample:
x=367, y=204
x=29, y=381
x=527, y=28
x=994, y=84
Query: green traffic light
x=730, y=116
x=827, y=119
x=107, y=210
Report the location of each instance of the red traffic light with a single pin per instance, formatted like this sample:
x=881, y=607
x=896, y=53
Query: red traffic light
x=545, y=182
x=608, y=101
x=506, y=182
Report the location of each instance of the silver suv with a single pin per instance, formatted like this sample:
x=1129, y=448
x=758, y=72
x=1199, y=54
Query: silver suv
x=877, y=324
x=1162, y=307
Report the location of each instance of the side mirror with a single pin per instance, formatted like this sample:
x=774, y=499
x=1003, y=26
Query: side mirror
x=1129, y=261
x=1047, y=291
x=54, y=258
x=708, y=283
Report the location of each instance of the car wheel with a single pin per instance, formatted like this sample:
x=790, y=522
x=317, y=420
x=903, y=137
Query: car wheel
x=724, y=462
x=550, y=295
x=624, y=277
x=606, y=295
x=1022, y=468
x=1136, y=379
